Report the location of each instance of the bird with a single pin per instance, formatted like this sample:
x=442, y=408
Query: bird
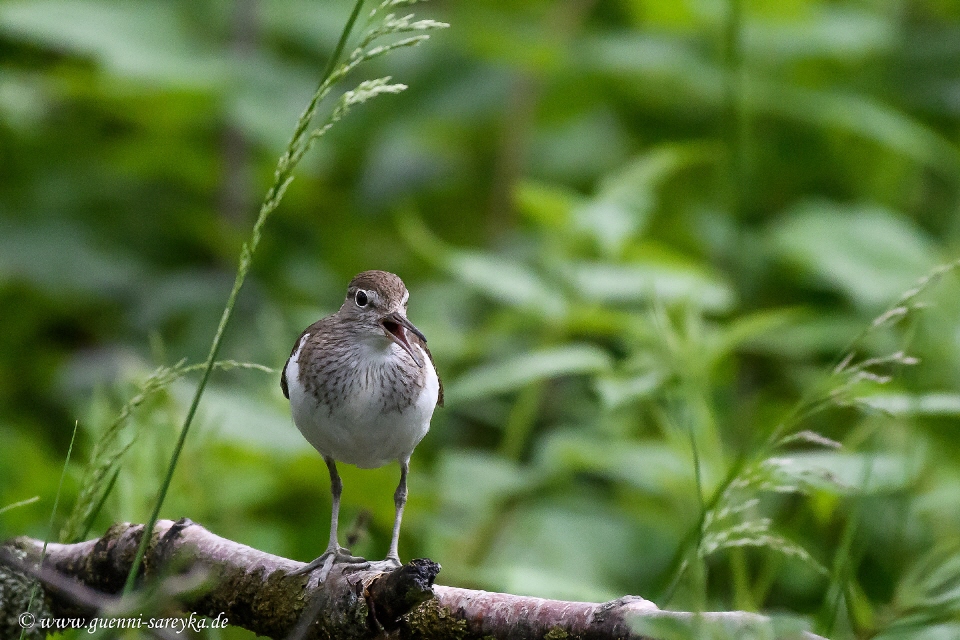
x=362, y=388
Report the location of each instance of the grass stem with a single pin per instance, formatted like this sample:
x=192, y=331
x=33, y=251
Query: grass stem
x=53, y=513
x=282, y=178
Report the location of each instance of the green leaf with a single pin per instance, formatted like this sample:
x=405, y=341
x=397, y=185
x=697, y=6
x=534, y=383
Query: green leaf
x=835, y=32
x=553, y=580
x=24, y=100
x=859, y=115
x=627, y=198
x=668, y=70
x=64, y=261
x=906, y=404
x=633, y=283
x=667, y=66
x=505, y=280
x=558, y=151
x=842, y=472
x=807, y=335
x=144, y=39
x=870, y=254
x=512, y=373
x=651, y=466
x=747, y=327
x=933, y=582
x=618, y=390
x=920, y=627
x=548, y=204
x=236, y=417
x=475, y=481
x=564, y=550
x=725, y=625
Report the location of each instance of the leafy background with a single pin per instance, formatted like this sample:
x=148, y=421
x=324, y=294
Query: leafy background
x=639, y=234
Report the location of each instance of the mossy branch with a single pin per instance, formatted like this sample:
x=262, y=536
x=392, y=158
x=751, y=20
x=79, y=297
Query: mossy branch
x=255, y=590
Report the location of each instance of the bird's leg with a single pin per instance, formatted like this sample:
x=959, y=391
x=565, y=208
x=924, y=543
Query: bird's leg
x=336, y=488
x=399, y=501
x=334, y=552
x=392, y=561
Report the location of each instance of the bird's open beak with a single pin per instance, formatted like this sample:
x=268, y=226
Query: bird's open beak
x=396, y=327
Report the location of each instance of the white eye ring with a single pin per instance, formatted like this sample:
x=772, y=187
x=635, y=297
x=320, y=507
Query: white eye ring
x=361, y=298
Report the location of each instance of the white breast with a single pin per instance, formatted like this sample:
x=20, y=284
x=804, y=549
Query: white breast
x=360, y=430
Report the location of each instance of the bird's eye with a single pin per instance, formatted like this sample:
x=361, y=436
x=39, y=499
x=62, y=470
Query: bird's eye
x=361, y=298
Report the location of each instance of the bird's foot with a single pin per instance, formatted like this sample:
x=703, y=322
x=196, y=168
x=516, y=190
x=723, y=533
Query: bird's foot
x=330, y=557
x=387, y=564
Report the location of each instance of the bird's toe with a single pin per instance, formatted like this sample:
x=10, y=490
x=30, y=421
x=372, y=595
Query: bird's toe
x=343, y=556
x=330, y=557
x=312, y=566
x=387, y=564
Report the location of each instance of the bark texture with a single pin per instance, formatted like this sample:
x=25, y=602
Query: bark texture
x=203, y=573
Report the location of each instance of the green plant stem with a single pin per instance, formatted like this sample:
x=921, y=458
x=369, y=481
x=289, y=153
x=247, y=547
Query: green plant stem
x=338, y=51
x=53, y=513
x=22, y=503
x=99, y=506
x=700, y=568
x=520, y=423
x=690, y=544
x=282, y=177
x=734, y=121
x=742, y=596
x=843, y=562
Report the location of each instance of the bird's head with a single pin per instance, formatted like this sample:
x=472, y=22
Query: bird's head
x=376, y=305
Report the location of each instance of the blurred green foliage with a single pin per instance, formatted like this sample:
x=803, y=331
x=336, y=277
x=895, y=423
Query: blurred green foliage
x=640, y=234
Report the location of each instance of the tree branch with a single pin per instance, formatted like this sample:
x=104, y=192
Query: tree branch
x=212, y=576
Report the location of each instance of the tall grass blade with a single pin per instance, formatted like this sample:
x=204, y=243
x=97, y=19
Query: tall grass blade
x=53, y=514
